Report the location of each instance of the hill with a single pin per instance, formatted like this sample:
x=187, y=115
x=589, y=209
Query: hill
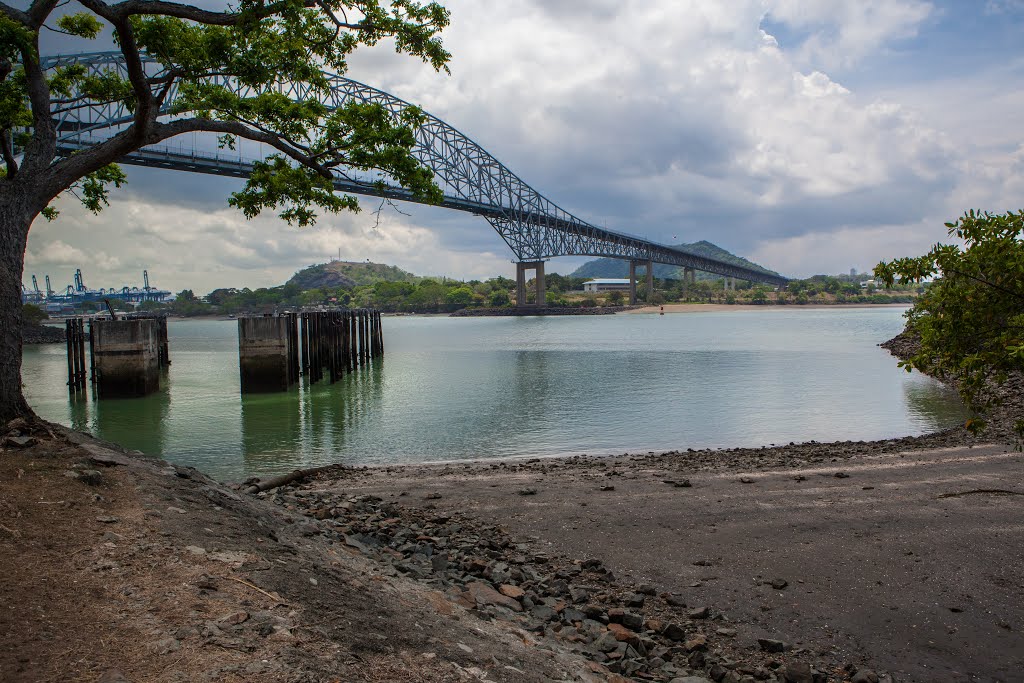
x=347, y=275
x=618, y=268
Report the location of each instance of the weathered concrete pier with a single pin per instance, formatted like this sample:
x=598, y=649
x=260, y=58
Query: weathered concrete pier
x=126, y=356
x=273, y=354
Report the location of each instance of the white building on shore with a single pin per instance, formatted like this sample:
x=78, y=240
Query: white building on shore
x=607, y=284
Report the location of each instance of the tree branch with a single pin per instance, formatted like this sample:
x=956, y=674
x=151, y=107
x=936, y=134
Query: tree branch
x=146, y=112
x=40, y=10
x=163, y=131
x=41, y=148
x=1015, y=295
x=7, y=147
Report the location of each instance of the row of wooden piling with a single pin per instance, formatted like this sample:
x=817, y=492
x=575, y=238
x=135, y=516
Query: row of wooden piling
x=337, y=342
x=74, y=335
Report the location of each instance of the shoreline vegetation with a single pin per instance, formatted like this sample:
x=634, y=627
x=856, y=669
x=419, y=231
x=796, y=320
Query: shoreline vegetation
x=341, y=284
x=636, y=567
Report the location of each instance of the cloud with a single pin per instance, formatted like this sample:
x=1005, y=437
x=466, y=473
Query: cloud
x=839, y=33
x=746, y=123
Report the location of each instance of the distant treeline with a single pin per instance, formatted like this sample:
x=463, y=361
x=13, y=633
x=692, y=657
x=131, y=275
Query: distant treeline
x=440, y=295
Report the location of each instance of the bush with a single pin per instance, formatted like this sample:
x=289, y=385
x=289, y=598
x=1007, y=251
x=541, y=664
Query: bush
x=588, y=302
x=32, y=314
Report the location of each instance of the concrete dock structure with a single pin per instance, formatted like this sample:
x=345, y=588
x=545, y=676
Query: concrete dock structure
x=267, y=353
x=125, y=357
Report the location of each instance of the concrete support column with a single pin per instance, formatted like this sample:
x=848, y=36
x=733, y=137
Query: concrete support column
x=632, y=283
x=542, y=289
x=126, y=357
x=520, y=284
x=539, y=282
x=265, y=354
x=650, y=280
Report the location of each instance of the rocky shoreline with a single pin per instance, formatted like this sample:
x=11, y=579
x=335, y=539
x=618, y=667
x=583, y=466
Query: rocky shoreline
x=41, y=334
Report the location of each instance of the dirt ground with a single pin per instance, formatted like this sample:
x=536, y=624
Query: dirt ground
x=908, y=555
x=120, y=568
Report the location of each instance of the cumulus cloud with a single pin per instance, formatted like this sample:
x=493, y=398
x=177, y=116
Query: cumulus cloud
x=679, y=120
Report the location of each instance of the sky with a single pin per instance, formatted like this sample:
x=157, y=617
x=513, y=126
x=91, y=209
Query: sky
x=810, y=136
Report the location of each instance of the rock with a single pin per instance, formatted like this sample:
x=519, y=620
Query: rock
x=20, y=441
x=107, y=519
x=842, y=475
x=439, y=563
x=164, y=646
x=206, y=582
x=483, y=594
x=770, y=645
x=727, y=632
x=746, y=480
x=591, y=563
x=635, y=600
x=632, y=621
x=112, y=676
x=674, y=632
x=90, y=477
x=514, y=592
x=700, y=613
x=623, y=634
x=797, y=672
x=865, y=676
x=690, y=679
x=233, y=619
x=646, y=589
x=527, y=492
x=432, y=496
x=697, y=643
x=607, y=487
x=779, y=584
x=675, y=600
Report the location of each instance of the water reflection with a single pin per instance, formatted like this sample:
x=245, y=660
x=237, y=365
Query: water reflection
x=934, y=403
x=137, y=423
x=270, y=423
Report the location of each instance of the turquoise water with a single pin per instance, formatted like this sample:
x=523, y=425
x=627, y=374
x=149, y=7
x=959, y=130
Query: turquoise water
x=463, y=388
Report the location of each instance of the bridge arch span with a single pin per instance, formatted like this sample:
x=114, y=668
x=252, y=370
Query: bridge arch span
x=473, y=180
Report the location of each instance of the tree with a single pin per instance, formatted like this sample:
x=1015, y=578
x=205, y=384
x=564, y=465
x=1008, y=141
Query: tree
x=460, y=295
x=970, y=321
x=260, y=46
x=32, y=314
x=500, y=297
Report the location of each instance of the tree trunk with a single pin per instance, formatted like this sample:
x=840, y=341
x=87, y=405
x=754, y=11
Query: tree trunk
x=15, y=219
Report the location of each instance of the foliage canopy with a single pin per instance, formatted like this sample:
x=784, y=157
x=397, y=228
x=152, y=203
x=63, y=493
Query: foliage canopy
x=970, y=320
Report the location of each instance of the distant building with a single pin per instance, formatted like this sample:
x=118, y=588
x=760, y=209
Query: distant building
x=607, y=284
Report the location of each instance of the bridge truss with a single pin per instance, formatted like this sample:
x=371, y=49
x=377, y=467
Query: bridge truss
x=472, y=180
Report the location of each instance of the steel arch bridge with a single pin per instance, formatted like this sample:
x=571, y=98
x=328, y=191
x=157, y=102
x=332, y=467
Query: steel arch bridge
x=534, y=227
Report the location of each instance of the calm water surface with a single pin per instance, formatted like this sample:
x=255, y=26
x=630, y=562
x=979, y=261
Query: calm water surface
x=460, y=388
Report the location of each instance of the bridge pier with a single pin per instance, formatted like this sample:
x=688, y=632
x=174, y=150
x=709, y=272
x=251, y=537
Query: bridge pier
x=539, y=281
x=649, y=265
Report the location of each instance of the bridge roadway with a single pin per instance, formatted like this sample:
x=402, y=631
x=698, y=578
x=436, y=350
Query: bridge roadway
x=472, y=180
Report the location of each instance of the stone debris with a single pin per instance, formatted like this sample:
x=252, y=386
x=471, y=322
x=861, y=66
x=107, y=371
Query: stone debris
x=628, y=632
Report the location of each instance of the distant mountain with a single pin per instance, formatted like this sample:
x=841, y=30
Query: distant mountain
x=348, y=274
x=618, y=268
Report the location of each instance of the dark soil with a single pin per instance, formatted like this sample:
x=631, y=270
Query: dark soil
x=118, y=565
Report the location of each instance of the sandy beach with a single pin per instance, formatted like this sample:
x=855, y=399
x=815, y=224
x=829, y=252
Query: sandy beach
x=908, y=560
x=706, y=308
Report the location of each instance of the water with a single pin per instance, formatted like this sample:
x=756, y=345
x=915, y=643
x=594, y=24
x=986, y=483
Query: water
x=462, y=388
